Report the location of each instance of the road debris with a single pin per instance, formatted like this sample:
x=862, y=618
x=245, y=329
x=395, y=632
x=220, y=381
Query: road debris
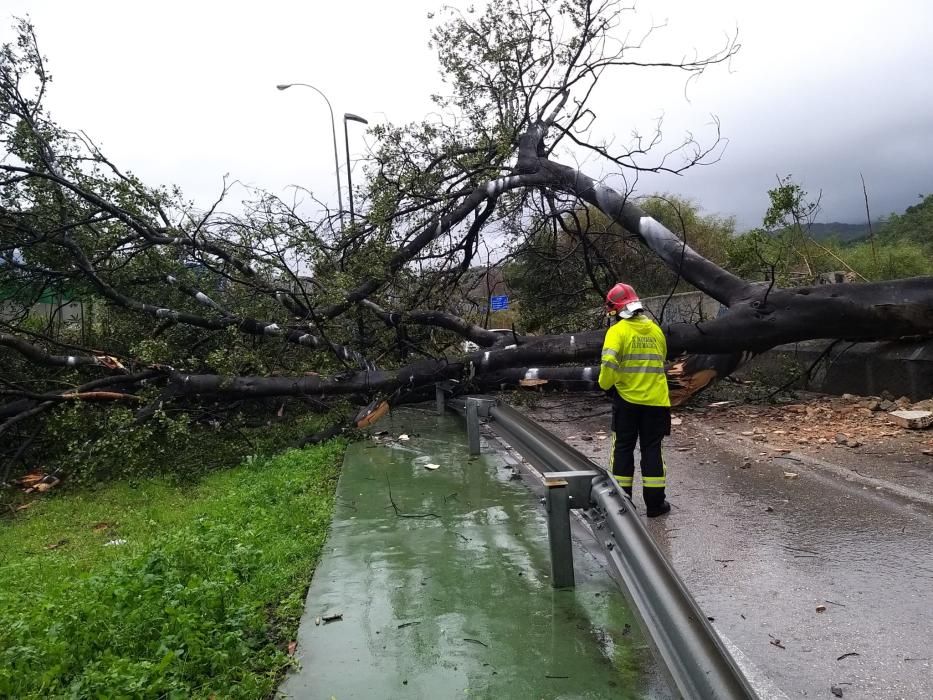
x=821, y=608
x=331, y=617
x=475, y=641
x=836, y=690
x=847, y=654
x=912, y=420
x=37, y=482
x=790, y=475
x=431, y=466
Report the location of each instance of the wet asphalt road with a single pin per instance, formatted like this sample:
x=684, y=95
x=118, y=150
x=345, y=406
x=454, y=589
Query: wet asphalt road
x=762, y=553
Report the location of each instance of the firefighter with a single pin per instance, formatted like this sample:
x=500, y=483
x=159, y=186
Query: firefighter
x=632, y=373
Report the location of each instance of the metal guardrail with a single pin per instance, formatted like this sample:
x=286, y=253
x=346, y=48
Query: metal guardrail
x=688, y=647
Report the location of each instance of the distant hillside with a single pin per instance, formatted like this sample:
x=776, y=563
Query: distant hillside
x=842, y=232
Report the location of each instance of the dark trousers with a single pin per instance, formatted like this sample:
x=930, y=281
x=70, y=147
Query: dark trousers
x=646, y=425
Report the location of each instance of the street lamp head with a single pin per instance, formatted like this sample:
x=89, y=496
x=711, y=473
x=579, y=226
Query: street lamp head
x=284, y=86
x=354, y=118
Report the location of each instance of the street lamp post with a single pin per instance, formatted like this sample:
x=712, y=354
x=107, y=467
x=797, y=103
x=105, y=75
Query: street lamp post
x=346, y=142
x=333, y=131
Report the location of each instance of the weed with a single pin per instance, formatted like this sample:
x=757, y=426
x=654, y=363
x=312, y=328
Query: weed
x=164, y=589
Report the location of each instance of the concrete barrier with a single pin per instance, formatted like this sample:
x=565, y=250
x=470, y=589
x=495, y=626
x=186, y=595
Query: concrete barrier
x=687, y=307
x=867, y=369
x=901, y=368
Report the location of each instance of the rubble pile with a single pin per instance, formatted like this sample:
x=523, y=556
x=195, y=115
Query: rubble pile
x=827, y=422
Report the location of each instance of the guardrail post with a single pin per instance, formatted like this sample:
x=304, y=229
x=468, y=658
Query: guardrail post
x=472, y=421
x=558, y=531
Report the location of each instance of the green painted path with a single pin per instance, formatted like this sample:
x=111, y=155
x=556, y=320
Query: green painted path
x=447, y=594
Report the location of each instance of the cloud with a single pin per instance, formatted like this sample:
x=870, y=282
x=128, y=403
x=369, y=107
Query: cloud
x=184, y=92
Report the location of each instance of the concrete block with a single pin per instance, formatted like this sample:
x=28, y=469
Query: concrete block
x=915, y=420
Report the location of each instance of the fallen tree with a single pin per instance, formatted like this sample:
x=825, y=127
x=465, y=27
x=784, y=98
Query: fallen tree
x=185, y=308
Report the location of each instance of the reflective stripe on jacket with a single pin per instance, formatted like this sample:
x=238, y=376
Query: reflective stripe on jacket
x=633, y=361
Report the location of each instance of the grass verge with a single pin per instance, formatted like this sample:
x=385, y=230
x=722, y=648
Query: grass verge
x=157, y=589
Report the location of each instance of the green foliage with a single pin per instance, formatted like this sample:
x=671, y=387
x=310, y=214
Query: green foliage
x=914, y=225
x=94, y=444
x=785, y=251
x=888, y=259
x=200, y=601
x=561, y=275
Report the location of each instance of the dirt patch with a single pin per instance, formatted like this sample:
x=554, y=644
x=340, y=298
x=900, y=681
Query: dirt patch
x=854, y=432
x=844, y=430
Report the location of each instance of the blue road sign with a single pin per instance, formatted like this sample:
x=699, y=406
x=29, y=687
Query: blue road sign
x=500, y=303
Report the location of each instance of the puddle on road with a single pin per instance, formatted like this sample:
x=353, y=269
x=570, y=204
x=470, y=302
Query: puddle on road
x=447, y=594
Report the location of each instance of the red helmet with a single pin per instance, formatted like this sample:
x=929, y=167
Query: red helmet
x=622, y=300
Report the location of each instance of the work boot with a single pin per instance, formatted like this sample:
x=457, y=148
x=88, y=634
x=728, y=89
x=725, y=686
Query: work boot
x=665, y=507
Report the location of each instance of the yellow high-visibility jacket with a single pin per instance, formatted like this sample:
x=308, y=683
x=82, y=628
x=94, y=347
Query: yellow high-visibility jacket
x=633, y=361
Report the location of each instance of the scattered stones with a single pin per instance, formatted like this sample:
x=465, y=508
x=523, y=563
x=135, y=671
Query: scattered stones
x=845, y=441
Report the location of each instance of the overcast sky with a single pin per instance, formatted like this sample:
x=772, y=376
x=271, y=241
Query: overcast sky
x=184, y=92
